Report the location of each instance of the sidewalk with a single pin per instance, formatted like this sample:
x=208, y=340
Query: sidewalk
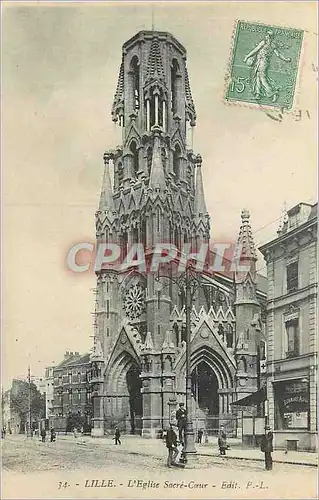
x=156, y=447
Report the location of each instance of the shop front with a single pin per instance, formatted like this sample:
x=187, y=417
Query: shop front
x=292, y=414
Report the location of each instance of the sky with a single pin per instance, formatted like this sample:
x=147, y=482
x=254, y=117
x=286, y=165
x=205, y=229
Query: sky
x=60, y=65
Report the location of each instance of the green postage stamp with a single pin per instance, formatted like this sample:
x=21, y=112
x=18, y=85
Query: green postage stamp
x=264, y=65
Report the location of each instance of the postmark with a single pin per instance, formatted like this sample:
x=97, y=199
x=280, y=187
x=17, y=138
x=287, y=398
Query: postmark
x=264, y=65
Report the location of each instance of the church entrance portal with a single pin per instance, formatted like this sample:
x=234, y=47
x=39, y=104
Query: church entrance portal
x=134, y=386
x=205, y=393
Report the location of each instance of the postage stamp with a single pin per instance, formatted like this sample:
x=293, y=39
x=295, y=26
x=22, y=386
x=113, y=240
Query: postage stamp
x=264, y=65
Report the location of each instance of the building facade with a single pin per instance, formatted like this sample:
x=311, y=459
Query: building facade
x=292, y=329
x=156, y=196
x=9, y=420
x=71, y=393
x=49, y=392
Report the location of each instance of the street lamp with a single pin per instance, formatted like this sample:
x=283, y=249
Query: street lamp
x=29, y=401
x=189, y=449
x=185, y=284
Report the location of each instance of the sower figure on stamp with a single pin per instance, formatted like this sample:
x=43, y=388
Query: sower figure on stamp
x=259, y=59
x=181, y=421
x=171, y=445
x=266, y=447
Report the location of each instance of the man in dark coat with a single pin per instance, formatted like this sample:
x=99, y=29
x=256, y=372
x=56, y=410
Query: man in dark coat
x=117, y=436
x=199, y=436
x=222, y=441
x=53, y=435
x=266, y=447
x=43, y=435
x=181, y=421
x=171, y=445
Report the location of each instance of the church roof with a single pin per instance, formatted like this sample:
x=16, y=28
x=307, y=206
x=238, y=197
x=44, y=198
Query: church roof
x=147, y=35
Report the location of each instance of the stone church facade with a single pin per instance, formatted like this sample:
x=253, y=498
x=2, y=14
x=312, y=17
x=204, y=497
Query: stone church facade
x=153, y=193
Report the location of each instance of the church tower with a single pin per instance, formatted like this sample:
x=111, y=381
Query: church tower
x=156, y=197
x=248, y=321
x=152, y=194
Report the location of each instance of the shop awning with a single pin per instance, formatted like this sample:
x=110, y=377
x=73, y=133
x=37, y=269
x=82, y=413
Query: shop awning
x=253, y=399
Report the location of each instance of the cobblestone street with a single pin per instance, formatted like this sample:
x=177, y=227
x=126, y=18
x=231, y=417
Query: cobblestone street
x=68, y=467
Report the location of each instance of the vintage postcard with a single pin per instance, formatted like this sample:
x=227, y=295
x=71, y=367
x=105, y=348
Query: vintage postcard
x=159, y=262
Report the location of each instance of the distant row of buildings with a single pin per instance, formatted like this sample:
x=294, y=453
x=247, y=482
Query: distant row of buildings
x=67, y=392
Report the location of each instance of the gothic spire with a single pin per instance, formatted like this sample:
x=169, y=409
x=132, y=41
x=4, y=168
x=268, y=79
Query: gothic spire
x=167, y=344
x=190, y=107
x=148, y=344
x=157, y=176
x=106, y=199
x=199, y=204
x=155, y=69
x=118, y=97
x=245, y=243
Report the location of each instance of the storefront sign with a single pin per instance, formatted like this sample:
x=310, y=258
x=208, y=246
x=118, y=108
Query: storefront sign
x=292, y=404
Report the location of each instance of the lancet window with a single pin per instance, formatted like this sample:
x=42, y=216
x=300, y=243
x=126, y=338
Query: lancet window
x=134, y=77
x=174, y=85
x=134, y=151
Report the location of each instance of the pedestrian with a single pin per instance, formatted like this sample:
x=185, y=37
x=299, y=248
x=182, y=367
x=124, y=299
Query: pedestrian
x=75, y=432
x=200, y=436
x=53, y=435
x=43, y=435
x=3, y=433
x=222, y=441
x=266, y=447
x=82, y=430
x=117, y=436
x=181, y=421
x=171, y=445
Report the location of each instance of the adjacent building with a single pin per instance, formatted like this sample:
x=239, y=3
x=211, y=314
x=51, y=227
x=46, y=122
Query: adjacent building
x=71, y=393
x=292, y=329
x=49, y=392
x=10, y=420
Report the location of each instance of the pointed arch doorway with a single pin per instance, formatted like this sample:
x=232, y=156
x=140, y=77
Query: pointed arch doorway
x=205, y=393
x=134, y=386
x=205, y=388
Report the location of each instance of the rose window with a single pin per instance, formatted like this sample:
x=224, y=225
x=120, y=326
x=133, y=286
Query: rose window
x=134, y=301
